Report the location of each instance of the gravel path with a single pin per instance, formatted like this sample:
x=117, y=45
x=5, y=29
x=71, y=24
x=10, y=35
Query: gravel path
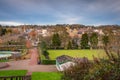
x=24, y=65
x=34, y=56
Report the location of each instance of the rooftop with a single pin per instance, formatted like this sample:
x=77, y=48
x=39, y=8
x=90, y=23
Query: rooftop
x=64, y=58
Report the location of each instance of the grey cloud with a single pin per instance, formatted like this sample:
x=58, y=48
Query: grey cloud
x=75, y=10
x=65, y=5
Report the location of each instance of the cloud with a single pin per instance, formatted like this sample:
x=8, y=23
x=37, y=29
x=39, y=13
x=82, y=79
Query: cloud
x=67, y=18
x=10, y=23
x=60, y=11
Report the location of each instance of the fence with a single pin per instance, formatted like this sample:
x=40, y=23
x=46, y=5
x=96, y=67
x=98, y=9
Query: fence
x=27, y=77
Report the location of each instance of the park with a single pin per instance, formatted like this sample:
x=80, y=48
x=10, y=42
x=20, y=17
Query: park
x=45, y=74
x=37, y=58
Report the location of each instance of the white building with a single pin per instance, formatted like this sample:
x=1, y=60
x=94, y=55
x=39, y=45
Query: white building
x=64, y=62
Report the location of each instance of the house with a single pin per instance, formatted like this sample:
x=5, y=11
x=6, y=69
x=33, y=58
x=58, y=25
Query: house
x=44, y=32
x=63, y=62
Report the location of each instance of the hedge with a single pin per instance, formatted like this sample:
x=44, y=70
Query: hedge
x=49, y=62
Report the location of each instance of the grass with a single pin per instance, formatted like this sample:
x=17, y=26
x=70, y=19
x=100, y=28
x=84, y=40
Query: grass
x=35, y=75
x=13, y=72
x=6, y=60
x=46, y=76
x=77, y=53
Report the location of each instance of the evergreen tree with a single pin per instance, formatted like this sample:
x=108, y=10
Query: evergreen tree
x=69, y=46
x=94, y=40
x=2, y=31
x=105, y=40
x=56, y=42
x=84, y=41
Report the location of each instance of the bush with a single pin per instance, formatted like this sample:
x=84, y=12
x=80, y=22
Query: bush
x=48, y=62
x=45, y=53
x=100, y=69
x=106, y=70
x=77, y=72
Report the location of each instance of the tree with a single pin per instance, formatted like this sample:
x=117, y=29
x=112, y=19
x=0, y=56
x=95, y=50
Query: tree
x=43, y=48
x=64, y=35
x=2, y=31
x=84, y=41
x=74, y=43
x=105, y=40
x=69, y=46
x=94, y=40
x=9, y=31
x=108, y=67
x=56, y=42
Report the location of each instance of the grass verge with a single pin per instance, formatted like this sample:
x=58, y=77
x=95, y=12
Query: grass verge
x=46, y=76
x=13, y=72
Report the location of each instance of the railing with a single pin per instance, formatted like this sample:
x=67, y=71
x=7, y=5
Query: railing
x=27, y=77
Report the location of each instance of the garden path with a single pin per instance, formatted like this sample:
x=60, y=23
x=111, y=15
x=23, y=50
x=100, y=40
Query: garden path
x=34, y=56
x=24, y=65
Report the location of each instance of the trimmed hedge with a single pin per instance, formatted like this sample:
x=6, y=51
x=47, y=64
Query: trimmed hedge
x=49, y=62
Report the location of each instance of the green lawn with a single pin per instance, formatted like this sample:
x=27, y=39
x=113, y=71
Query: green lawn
x=4, y=60
x=46, y=76
x=13, y=72
x=77, y=53
x=35, y=75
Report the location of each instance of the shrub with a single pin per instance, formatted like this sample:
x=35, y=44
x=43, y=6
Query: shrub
x=77, y=72
x=102, y=69
x=106, y=70
x=45, y=53
x=49, y=62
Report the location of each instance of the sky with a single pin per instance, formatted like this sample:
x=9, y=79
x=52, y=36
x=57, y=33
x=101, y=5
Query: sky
x=44, y=12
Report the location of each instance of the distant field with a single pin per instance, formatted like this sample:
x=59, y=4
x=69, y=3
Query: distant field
x=77, y=53
x=13, y=72
x=46, y=76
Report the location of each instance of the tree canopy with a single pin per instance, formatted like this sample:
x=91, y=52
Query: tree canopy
x=56, y=41
x=84, y=41
x=94, y=40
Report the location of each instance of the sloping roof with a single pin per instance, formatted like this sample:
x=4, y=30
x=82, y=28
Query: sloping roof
x=63, y=59
x=81, y=60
